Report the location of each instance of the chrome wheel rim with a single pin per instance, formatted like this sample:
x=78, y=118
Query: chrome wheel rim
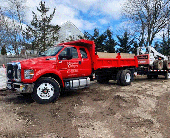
x=45, y=91
x=127, y=77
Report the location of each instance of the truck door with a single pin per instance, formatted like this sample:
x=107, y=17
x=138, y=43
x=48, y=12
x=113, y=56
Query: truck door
x=69, y=68
x=85, y=66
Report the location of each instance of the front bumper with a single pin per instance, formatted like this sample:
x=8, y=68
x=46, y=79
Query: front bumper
x=20, y=87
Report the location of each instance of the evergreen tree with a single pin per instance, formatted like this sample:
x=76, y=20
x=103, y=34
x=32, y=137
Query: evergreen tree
x=110, y=43
x=124, y=43
x=41, y=32
x=97, y=38
x=134, y=48
x=165, y=46
x=86, y=36
x=3, y=50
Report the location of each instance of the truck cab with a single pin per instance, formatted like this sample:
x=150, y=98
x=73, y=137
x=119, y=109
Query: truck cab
x=67, y=66
x=74, y=62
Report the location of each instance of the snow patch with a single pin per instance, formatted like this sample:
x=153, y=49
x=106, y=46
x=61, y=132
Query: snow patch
x=3, y=78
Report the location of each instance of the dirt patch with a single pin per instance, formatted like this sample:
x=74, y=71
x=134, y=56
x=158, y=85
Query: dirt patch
x=10, y=124
x=162, y=113
x=102, y=110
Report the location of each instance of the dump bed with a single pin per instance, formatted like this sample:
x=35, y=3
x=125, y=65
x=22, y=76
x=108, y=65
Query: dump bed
x=117, y=62
x=101, y=63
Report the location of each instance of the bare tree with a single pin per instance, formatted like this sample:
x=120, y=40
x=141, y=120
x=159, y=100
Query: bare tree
x=149, y=17
x=12, y=16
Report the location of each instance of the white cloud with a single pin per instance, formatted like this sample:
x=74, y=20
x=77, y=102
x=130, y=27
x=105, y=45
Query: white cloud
x=89, y=26
x=112, y=8
x=83, y=5
x=4, y=4
x=31, y=5
x=103, y=21
x=63, y=13
x=69, y=10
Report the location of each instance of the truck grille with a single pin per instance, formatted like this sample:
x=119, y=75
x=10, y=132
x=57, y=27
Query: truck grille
x=12, y=71
x=15, y=71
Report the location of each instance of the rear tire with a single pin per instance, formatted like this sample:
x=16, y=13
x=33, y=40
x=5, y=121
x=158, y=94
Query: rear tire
x=46, y=90
x=118, y=77
x=126, y=77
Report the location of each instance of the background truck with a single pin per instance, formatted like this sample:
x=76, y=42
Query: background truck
x=152, y=63
x=68, y=65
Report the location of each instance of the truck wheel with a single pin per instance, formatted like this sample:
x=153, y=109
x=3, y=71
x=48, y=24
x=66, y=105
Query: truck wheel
x=125, y=77
x=166, y=64
x=118, y=77
x=46, y=90
x=158, y=64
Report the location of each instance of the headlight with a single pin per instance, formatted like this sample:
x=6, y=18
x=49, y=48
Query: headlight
x=18, y=75
x=17, y=71
x=28, y=74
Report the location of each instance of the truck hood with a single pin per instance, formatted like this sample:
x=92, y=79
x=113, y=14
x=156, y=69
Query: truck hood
x=36, y=61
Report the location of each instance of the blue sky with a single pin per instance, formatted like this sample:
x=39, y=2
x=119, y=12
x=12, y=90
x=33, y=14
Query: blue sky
x=85, y=14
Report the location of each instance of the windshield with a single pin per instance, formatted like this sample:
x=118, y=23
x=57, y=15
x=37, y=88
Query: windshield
x=52, y=51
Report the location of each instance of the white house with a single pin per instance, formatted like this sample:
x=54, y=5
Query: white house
x=69, y=31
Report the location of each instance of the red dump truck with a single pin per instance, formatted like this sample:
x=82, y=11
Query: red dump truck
x=69, y=65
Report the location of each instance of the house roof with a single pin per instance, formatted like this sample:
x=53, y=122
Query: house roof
x=69, y=22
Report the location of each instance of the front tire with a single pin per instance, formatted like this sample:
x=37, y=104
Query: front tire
x=46, y=90
x=126, y=77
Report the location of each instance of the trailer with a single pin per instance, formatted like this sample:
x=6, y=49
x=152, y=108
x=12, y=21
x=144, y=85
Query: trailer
x=152, y=63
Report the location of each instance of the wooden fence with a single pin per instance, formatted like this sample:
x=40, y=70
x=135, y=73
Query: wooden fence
x=6, y=59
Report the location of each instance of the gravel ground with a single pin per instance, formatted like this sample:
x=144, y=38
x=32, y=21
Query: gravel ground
x=102, y=110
